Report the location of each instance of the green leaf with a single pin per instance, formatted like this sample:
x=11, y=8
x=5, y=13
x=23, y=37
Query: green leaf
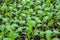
x=50, y=14
x=51, y=22
x=2, y=27
x=40, y=13
x=48, y=3
x=8, y=27
x=29, y=30
x=37, y=20
x=48, y=34
x=56, y=32
x=28, y=18
x=55, y=39
x=58, y=15
x=6, y=39
x=0, y=16
x=5, y=19
x=4, y=7
x=36, y=32
x=31, y=23
x=0, y=37
x=13, y=35
x=23, y=2
x=42, y=33
x=58, y=23
x=19, y=29
x=45, y=18
x=22, y=22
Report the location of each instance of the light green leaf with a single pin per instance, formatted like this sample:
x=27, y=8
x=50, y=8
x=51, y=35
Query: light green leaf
x=6, y=39
x=45, y=18
x=22, y=22
x=48, y=34
x=19, y=29
x=36, y=32
x=48, y=3
x=58, y=15
x=13, y=35
x=0, y=37
x=51, y=22
x=2, y=27
x=56, y=32
x=55, y=39
x=42, y=33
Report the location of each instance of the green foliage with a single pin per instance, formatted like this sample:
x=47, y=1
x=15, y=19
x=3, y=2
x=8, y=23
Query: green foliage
x=26, y=19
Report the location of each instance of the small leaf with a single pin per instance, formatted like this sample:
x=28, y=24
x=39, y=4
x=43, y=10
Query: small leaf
x=36, y=32
x=51, y=22
x=56, y=32
x=58, y=15
x=22, y=22
x=6, y=39
x=48, y=34
x=45, y=18
x=19, y=29
x=0, y=37
x=2, y=27
x=55, y=39
x=42, y=33
x=31, y=23
x=13, y=35
x=0, y=16
x=4, y=7
x=48, y=3
x=58, y=23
